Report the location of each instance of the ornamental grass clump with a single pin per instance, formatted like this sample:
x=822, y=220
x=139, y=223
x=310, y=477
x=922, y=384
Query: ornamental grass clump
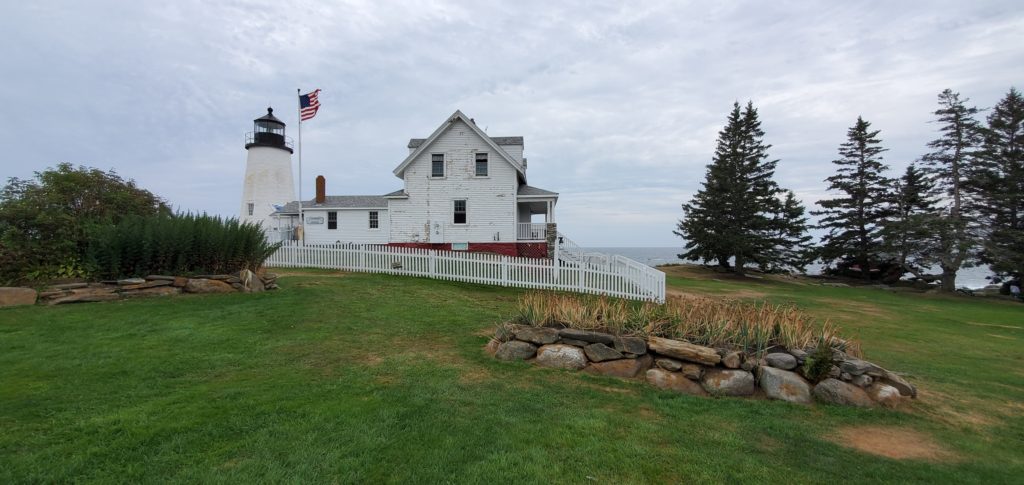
x=720, y=323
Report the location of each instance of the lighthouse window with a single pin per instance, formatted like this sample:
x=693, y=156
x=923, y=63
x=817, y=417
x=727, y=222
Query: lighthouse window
x=332, y=220
x=374, y=220
x=252, y=208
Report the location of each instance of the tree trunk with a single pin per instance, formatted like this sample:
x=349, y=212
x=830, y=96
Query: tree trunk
x=739, y=266
x=948, y=279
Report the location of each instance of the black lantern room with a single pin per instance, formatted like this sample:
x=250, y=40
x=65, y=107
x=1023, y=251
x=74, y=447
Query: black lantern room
x=268, y=131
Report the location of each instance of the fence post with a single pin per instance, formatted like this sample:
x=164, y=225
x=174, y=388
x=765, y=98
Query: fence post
x=362, y=257
x=431, y=255
x=582, y=275
x=505, y=270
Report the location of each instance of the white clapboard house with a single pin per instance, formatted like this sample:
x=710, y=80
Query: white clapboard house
x=461, y=190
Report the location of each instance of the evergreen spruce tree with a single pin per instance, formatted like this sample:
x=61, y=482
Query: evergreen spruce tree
x=950, y=166
x=998, y=182
x=854, y=219
x=909, y=233
x=791, y=244
x=736, y=215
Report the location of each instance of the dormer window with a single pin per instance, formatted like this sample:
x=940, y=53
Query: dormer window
x=437, y=165
x=481, y=164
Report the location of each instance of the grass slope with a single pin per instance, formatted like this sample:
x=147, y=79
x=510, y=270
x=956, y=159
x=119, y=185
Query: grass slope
x=370, y=378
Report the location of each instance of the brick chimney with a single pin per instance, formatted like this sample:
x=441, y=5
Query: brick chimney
x=321, y=189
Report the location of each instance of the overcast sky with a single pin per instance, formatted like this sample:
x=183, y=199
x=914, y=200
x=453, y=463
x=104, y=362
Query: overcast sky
x=619, y=102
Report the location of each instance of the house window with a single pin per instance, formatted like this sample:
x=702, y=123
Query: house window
x=460, y=212
x=374, y=221
x=437, y=165
x=252, y=208
x=481, y=164
x=460, y=246
x=332, y=220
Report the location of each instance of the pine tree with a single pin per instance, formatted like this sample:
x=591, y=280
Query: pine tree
x=854, y=219
x=909, y=233
x=791, y=244
x=736, y=215
x=707, y=218
x=999, y=183
x=950, y=166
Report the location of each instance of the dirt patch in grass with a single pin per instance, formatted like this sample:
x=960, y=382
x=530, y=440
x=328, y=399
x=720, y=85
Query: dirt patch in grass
x=894, y=443
x=995, y=325
x=956, y=411
x=856, y=307
x=732, y=294
x=331, y=274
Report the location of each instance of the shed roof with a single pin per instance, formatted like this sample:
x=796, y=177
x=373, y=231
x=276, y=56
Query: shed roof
x=338, y=202
x=530, y=191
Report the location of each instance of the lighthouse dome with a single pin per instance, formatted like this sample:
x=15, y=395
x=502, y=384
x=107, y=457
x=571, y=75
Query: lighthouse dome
x=268, y=131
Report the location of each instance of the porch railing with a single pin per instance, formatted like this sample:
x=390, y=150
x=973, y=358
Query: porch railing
x=528, y=231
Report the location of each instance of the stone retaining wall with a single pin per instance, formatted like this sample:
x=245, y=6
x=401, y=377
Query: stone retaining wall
x=152, y=285
x=693, y=369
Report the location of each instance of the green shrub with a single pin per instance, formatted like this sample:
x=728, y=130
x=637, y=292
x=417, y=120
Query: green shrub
x=819, y=363
x=178, y=244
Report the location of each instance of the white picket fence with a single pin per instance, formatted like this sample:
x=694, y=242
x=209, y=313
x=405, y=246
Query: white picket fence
x=623, y=278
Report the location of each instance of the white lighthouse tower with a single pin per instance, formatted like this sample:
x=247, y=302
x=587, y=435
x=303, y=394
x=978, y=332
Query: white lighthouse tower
x=268, y=171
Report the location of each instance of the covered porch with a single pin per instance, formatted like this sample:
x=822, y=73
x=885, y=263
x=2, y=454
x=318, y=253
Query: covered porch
x=535, y=210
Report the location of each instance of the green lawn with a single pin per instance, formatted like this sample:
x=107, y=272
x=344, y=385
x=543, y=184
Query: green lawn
x=370, y=378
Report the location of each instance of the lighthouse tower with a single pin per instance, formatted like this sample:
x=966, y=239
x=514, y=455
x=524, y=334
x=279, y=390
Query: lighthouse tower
x=268, y=171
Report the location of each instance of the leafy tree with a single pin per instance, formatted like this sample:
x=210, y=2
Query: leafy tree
x=737, y=214
x=854, y=219
x=999, y=183
x=45, y=222
x=909, y=233
x=950, y=166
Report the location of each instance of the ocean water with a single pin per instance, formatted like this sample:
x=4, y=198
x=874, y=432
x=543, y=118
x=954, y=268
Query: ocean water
x=965, y=278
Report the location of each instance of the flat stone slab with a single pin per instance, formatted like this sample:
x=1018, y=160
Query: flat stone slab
x=601, y=353
x=202, y=285
x=587, y=336
x=684, y=350
x=15, y=296
x=536, y=335
x=624, y=368
x=631, y=345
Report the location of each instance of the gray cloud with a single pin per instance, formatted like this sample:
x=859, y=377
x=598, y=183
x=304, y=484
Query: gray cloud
x=620, y=104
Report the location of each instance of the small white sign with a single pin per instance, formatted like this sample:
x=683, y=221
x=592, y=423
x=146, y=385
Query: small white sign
x=314, y=220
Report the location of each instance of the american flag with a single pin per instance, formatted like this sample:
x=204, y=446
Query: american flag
x=308, y=104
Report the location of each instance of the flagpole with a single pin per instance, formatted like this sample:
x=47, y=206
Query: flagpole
x=302, y=222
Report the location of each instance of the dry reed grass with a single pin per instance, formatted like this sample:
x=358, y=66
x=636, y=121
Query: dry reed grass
x=721, y=323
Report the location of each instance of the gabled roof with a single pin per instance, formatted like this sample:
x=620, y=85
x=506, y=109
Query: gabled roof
x=500, y=140
x=396, y=194
x=338, y=202
x=530, y=191
x=458, y=116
